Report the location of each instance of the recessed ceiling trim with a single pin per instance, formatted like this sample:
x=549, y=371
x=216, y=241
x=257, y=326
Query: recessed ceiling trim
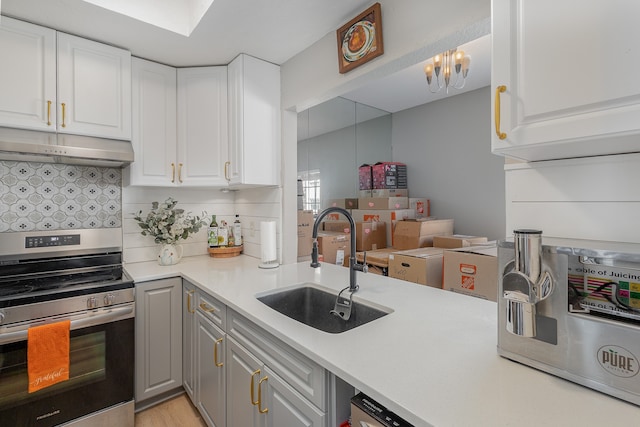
x=178, y=16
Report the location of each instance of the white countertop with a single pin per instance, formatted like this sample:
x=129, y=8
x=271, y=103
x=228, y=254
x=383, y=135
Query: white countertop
x=433, y=361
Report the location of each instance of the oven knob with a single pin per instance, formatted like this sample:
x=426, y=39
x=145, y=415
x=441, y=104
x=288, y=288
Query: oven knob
x=109, y=299
x=92, y=302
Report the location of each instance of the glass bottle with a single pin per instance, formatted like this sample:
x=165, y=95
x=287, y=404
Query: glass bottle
x=213, y=233
x=237, y=231
x=223, y=234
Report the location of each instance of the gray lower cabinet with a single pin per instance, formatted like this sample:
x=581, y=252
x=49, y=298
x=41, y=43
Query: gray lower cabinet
x=285, y=387
x=188, y=339
x=158, y=352
x=239, y=375
x=210, y=368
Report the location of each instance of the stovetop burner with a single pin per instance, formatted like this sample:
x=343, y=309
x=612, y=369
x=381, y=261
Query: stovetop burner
x=15, y=289
x=31, y=281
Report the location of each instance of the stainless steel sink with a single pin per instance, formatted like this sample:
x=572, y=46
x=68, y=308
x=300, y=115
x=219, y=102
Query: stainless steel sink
x=311, y=305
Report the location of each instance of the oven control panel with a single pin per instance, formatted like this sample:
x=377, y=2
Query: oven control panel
x=47, y=241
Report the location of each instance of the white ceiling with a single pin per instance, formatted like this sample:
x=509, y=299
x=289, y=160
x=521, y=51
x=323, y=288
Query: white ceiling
x=274, y=30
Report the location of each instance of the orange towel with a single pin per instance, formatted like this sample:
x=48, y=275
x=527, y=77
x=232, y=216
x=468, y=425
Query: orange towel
x=48, y=354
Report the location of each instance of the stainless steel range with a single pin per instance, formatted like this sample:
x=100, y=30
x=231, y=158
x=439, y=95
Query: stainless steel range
x=54, y=276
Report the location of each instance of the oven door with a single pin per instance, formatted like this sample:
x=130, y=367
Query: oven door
x=101, y=370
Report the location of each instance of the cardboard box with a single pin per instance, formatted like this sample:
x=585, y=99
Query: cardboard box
x=422, y=266
x=384, y=202
x=364, y=193
x=457, y=241
x=334, y=203
x=388, y=216
x=388, y=192
x=370, y=235
x=419, y=233
x=305, y=230
x=365, y=177
x=378, y=260
x=367, y=412
x=387, y=175
x=334, y=247
x=422, y=207
x=472, y=271
x=351, y=203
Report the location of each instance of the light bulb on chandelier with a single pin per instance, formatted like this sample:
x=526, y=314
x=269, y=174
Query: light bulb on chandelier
x=442, y=65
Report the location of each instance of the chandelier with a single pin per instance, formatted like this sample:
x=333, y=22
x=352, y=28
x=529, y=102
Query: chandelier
x=443, y=65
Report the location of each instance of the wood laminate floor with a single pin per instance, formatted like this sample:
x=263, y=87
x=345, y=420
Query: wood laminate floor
x=176, y=412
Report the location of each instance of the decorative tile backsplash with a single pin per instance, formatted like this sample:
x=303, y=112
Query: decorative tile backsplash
x=48, y=196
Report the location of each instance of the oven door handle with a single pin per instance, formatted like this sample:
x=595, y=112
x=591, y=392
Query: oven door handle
x=78, y=321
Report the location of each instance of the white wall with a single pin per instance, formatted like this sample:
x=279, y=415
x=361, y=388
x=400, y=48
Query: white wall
x=413, y=30
x=253, y=206
x=596, y=198
x=447, y=148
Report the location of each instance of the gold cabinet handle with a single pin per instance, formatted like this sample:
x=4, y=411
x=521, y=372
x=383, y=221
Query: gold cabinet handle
x=215, y=354
x=253, y=401
x=189, y=302
x=180, y=172
x=265, y=410
x=173, y=172
x=499, y=90
x=226, y=171
x=64, y=112
x=48, y=113
x=205, y=307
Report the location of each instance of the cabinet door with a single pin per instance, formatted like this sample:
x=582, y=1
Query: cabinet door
x=210, y=371
x=188, y=339
x=254, y=122
x=154, y=124
x=94, y=84
x=27, y=75
x=202, y=126
x=286, y=407
x=244, y=372
x=557, y=61
x=158, y=327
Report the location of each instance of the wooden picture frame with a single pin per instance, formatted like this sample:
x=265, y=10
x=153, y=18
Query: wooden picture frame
x=360, y=40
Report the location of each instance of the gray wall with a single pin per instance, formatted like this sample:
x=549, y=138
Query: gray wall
x=447, y=148
x=338, y=154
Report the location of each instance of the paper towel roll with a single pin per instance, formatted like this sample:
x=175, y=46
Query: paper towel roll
x=269, y=255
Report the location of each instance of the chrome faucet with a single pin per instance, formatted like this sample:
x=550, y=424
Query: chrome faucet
x=353, y=265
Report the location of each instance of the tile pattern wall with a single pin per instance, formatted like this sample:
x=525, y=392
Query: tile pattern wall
x=47, y=196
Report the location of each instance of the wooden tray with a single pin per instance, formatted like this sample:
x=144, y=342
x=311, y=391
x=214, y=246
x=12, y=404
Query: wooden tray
x=225, y=252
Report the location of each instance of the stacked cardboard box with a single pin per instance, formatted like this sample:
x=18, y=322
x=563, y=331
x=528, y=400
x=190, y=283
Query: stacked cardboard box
x=420, y=233
x=472, y=271
x=334, y=247
x=457, y=241
x=305, y=229
x=389, y=175
x=388, y=216
x=371, y=235
x=422, y=266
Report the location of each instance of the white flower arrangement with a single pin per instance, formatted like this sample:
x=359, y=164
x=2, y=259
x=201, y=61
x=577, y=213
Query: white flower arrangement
x=167, y=224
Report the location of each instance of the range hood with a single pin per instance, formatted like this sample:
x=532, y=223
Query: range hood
x=47, y=147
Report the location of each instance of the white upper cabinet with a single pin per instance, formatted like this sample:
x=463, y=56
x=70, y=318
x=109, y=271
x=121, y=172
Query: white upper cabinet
x=93, y=94
x=27, y=75
x=254, y=122
x=154, y=124
x=568, y=70
x=202, y=126
x=94, y=88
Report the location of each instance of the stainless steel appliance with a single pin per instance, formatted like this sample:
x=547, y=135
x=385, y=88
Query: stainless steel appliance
x=74, y=275
x=572, y=308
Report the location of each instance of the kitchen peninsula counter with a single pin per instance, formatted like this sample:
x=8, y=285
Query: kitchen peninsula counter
x=433, y=360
